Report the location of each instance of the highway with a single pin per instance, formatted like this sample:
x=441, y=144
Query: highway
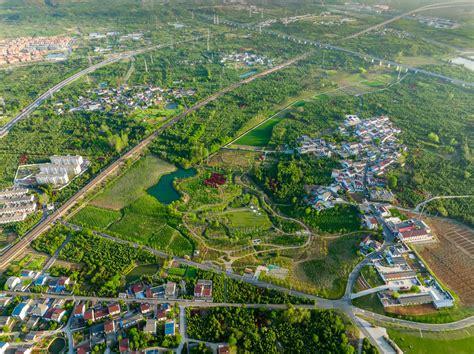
x=373, y=59
x=440, y=5
x=44, y=225
x=112, y=59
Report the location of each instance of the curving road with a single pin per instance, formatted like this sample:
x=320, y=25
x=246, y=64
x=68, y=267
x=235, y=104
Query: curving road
x=440, y=5
x=373, y=59
x=45, y=224
x=418, y=206
x=112, y=59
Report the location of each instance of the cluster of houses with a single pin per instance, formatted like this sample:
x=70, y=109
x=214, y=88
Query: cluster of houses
x=27, y=278
x=31, y=314
x=142, y=291
x=371, y=150
x=168, y=291
x=109, y=323
x=248, y=59
x=15, y=205
x=361, y=7
x=436, y=22
x=112, y=34
x=407, y=281
x=58, y=173
x=118, y=99
x=27, y=49
x=60, y=170
x=375, y=216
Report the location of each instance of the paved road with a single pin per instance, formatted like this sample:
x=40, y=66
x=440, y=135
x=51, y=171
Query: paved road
x=373, y=59
x=336, y=304
x=44, y=225
x=112, y=59
x=369, y=291
x=322, y=303
x=420, y=9
x=418, y=206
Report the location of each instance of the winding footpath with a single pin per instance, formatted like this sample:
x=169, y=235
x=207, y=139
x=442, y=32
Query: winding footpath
x=45, y=224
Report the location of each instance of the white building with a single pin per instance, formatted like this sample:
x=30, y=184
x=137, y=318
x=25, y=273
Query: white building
x=52, y=168
x=12, y=282
x=3, y=347
x=67, y=160
x=12, y=193
x=54, y=179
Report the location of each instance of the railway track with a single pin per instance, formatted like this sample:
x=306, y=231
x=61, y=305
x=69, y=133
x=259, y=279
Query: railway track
x=43, y=226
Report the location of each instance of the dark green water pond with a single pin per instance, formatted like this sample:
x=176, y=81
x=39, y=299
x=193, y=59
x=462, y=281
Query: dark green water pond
x=164, y=190
x=58, y=345
x=137, y=272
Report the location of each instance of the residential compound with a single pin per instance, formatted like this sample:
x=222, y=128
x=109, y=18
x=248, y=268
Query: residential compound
x=15, y=205
x=248, y=59
x=105, y=322
x=123, y=99
x=25, y=49
x=371, y=149
x=407, y=280
x=60, y=170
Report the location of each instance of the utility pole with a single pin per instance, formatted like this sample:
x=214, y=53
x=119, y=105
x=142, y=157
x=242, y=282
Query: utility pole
x=146, y=67
x=208, y=37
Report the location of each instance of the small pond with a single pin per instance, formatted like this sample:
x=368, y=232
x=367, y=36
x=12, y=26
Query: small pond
x=57, y=346
x=137, y=272
x=171, y=105
x=247, y=74
x=164, y=190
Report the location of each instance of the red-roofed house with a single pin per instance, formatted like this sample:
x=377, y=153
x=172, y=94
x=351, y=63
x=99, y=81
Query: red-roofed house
x=114, y=309
x=223, y=349
x=109, y=327
x=124, y=346
x=215, y=180
x=136, y=288
x=100, y=314
x=145, y=308
x=89, y=315
x=161, y=315
x=79, y=310
x=54, y=314
x=203, y=289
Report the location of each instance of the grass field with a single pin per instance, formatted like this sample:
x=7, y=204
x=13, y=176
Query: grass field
x=330, y=272
x=133, y=183
x=261, y=135
x=96, y=218
x=247, y=218
x=371, y=276
x=455, y=342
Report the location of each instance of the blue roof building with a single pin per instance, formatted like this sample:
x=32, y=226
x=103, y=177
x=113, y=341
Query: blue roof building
x=20, y=310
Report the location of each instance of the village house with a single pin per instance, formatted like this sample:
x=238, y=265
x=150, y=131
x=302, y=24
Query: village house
x=114, y=309
x=203, y=289
x=20, y=311
x=79, y=310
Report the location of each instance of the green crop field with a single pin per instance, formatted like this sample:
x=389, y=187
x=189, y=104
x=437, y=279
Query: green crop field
x=133, y=183
x=144, y=221
x=261, y=135
x=456, y=342
x=96, y=218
